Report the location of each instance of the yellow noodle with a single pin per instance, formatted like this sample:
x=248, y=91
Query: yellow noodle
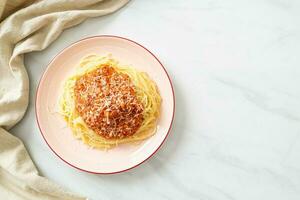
x=146, y=91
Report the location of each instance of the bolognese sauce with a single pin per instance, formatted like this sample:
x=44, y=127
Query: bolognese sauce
x=107, y=102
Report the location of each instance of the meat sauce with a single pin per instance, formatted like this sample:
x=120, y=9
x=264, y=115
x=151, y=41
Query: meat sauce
x=107, y=102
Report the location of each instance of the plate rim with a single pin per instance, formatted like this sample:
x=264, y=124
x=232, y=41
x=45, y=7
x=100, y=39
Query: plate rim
x=43, y=76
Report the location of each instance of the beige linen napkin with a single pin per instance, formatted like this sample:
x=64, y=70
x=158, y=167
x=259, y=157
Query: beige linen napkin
x=25, y=27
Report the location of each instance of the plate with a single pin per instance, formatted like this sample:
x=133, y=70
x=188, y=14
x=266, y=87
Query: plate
x=58, y=135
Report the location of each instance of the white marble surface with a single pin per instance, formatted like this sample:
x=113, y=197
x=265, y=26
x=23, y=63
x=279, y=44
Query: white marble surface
x=236, y=70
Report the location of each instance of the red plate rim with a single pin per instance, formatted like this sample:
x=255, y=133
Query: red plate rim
x=115, y=172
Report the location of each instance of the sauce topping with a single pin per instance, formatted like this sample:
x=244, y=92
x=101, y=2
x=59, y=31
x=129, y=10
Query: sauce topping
x=107, y=102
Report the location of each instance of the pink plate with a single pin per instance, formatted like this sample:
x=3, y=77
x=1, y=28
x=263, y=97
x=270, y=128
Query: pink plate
x=59, y=137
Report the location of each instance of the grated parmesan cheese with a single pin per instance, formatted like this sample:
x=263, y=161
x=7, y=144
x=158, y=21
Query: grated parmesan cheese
x=106, y=101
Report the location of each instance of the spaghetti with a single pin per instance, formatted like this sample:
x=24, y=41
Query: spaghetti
x=106, y=104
